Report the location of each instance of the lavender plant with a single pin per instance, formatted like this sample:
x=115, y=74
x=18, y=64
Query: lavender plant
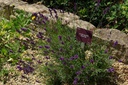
x=68, y=62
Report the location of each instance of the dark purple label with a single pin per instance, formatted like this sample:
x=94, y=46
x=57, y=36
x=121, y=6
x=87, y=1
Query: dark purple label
x=84, y=35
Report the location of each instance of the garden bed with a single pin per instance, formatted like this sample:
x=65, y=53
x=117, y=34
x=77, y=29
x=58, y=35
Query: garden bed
x=36, y=50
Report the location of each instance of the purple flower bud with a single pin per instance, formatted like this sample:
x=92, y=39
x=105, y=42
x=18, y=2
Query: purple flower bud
x=19, y=68
x=46, y=18
x=25, y=44
x=120, y=60
x=98, y=3
x=54, y=11
x=76, y=56
x=71, y=58
x=44, y=22
x=64, y=63
x=110, y=57
x=72, y=66
x=41, y=15
x=24, y=29
x=106, y=10
x=56, y=16
x=40, y=46
x=75, y=81
x=47, y=57
x=32, y=42
x=33, y=58
x=39, y=61
x=50, y=12
x=110, y=70
x=47, y=47
x=60, y=37
x=78, y=72
x=49, y=40
x=11, y=51
x=106, y=51
x=61, y=58
x=40, y=33
x=28, y=69
x=52, y=51
x=92, y=61
x=20, y=61
x=34, y=14
x=83, y=67
x=115, y=43
x=62, y=43
x=27, y=39
x=38, y=81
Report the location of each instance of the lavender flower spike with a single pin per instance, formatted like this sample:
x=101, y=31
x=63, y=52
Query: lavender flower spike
x=60, y=37
x=47, y=47
x=24, y=29
x=76, y=56
x=61, y=58
x=110, y=70
x=115, y=43
x=75, y=81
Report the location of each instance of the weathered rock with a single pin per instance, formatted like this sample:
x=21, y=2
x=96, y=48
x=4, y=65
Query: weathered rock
x=81, y=24
x=6, y=10
x=24, y=6
x=67, y=17
x=112, y=34
x=120, y=51
x=31, y=8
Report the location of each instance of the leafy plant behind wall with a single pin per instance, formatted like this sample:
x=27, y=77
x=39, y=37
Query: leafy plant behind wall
x=101, y=13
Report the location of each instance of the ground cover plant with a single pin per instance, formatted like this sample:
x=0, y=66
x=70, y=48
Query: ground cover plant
x=9, y=47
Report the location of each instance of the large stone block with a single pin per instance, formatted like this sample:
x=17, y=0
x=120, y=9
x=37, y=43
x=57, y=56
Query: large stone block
x=6, y=10
x=118, y=42
x=81, y=24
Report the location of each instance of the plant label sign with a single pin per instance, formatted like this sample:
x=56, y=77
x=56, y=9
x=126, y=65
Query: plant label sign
x=84, y=35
